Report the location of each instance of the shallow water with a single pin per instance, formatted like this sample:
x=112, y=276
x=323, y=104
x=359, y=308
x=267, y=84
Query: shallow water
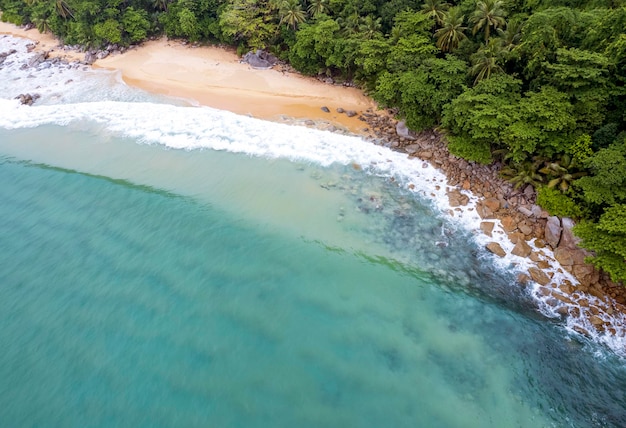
x=172, y=266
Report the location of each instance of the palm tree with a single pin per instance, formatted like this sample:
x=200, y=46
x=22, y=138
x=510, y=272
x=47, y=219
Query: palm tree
x=351, y=24
x=510, y=37
x=42, y=24
x=452, y=33
x=522, y=174
x=485, y=61
x=63, y=9
x=317, y=7
x=161, y=4
x=291, y=13
x=488, y=14
x=435, y=9
x=561, y=172
x=370, y=27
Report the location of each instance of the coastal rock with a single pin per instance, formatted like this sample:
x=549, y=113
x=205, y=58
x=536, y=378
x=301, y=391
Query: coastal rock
x=521, y=249
x=37, y=59
x=539, y=276
x=492, y=203
x=508, y=223
x=325, y=109
x=259, y=59
x=403, y=131
x=457, y=199
x=539, y=212
x=525, y=228
x=553, y=231
x=525, y=211
x=483, y=210
x=562, y=298
x=496, y=249
x=487, y=227
x=412, y=148
x=4, y=55
x=28, y=99
x=586, y=274
x=351, y=113
x=564, y=256
x=90, y=57
x=568, y=239
x=596, y=320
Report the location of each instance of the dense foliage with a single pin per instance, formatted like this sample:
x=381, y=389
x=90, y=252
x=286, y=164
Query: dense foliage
x=537, y=84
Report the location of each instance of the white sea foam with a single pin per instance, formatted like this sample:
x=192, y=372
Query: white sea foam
x=192, y=128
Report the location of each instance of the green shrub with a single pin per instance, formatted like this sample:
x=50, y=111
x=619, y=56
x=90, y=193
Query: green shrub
x=557, y=203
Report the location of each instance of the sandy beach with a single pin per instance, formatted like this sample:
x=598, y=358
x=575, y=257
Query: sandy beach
x=214, y=77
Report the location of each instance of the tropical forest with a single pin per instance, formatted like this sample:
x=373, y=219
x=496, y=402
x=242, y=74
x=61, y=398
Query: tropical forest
x=536, y=85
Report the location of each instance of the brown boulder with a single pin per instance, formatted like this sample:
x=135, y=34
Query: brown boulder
x=508, y=224
x=562, y=298
x=564, y=256
x=516, y=237
x=539, y=276
x=521, y=249
x=596, y=320
x=456, y=198
x=487, y=227
x=586, y=274
x=483, y=211
x=492, y=203
x=525, y=228
x=496, y=249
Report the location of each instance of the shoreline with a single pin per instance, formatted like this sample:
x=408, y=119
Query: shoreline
x=214, y=77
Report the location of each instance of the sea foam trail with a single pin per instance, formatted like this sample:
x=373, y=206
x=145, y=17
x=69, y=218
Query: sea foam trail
x=192, y=128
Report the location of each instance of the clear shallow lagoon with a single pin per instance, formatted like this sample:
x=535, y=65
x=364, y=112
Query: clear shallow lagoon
x=147, y=285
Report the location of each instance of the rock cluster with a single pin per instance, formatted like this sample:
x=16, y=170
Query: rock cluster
x=28, y=99
x=4, y=55
x=93, y=55
x=520, y=217
x=260, y=59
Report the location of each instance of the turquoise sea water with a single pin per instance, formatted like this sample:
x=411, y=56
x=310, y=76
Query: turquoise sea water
x=148, y=285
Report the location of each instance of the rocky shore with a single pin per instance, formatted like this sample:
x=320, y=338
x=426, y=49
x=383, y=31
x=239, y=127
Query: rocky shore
x=559, y=276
